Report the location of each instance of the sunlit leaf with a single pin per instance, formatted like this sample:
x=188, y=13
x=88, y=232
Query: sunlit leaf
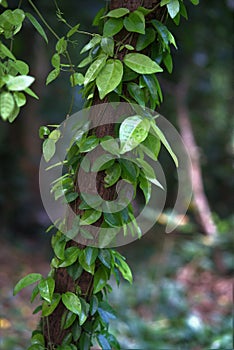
x=26, y=281
x=141, y=63
x=109, y=77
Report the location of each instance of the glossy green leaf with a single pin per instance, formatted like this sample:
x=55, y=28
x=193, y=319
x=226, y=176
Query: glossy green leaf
x=109, y=77
x=37, y=26
x=148, y=172
x=31, y=93
x=48, y=149
x=43, y=131
x=164, y=33
x=52, y=75
x=5, y=51
x=89, y=144
x=55, y=60
x=145, y=186
x=76, y=331
x=87, y=60
x=93, y=42
x=100, y=279
x=129, y=170
x=110, y=145
x=173, y=8
x=14, y=114
x=146, y=39
x=90, y=255
x=84, y=311
x=105, y=257
x=94, y=69
x=132, y=132
x=151, y=83
x=21, y=67
x=93, y=305
x=90, y=216
x=112, y=175
x=124, y=269
x=113, y=219
x=136, y=93
x=61, y=45
x=73, y=30
x=70, y=256
x=26, y=281
x=103, y=162
x=46, y=288
x=7, y=104
x=107, y=45
x=112, y=26
x=103, y=342
x=84, y=342
x=117, y=13
x=70, y=318
x=38, y=338
x=20, y=99
x=151, y=146
x=195, y=2
x=141, y=63
x=135, y=22
x=21, y=82
x=48, y=308
x=167, y=60
x=72, y=302
x=164, y=141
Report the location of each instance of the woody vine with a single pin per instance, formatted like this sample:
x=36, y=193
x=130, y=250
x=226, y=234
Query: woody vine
x=121, y=64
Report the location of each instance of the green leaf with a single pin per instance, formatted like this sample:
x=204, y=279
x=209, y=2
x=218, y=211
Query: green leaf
x=132, y=132
x=109, y=77
x=85, y=62
x=90, y=216
x=52, y=75
x=167, y=60
x=76, y=79
x=21, y=67
x=7, y=104
x=151, y=146
x=100, y=279
x=31, y=93
x=70, y=256
x=20, y=99
x=110, y=145
x=89, y=144
x=136, y=93
x=84, y=311
x=103, y=342
x=106, y=312
x=164, y=33
x=94, y=69
x=93, y=305
x=164, y=141
x=92, y=43
x=69, y=319
x=107, y=45
x=153, y=86
x=141, y=63
x=148, y=172
x=73, y=30
x=103, y=162
x=26, y=281
x=14, y=114
x=135, y=22
x=37, y=26
x=124, y=269
x=72, y=302
x=5, y=51
x=173, y=8
x=38, y=338
x=55, y=60
x=129, y=170
x=105, y=257
x=48, y=308
x=145, y=186
x=112, y=26
x=146, y=39
x=117, y=13
x=84, y=342
x=113, y=219
x=21, y=82
x=61, y=45
x=195, y=2
x=46, y=288
x=112, y=175
x=48, y=149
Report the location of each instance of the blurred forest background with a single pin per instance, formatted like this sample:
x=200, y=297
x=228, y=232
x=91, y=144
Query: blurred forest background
x=181, y=297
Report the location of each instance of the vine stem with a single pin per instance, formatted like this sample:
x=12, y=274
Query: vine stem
x=43, y=19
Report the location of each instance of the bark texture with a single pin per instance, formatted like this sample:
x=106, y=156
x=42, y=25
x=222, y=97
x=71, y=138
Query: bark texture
x=52, y=329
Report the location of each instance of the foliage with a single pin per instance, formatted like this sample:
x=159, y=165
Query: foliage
x=131, y=79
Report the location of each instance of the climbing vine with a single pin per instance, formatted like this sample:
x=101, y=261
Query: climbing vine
x=121, y=64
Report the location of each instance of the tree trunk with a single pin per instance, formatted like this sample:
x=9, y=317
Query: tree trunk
x=52, y=329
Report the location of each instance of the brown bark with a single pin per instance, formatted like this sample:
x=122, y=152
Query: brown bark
x=63, y=281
